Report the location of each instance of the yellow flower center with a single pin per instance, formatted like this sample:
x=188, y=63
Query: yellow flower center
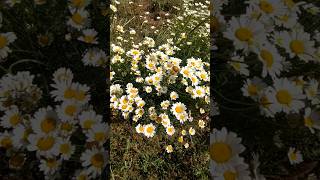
x=289, y=3
x=265, y=101
x=82, y=177
x=80, y=95
x=150, y=129
x=6, y=142
x=199, y=92
x=179, y=109
x=66, y=126
x=186, y=72
x=135, y=52
x=244, y=34
x=70, y=110
x=141, y=128
x=99, y=136
x=157, y=78
x=203, y=76
x=236, y=65
x=78, y=3
x=17, y=160
x=284, y=18
x=293, y=156
x=97, y=160
x=284, y=97
x=3, y=41
x=26, y=134
x=87, y=124
x=229, y=175
x=65, y=148
x=48, y=125
x=43, y=40
x=69, y=93
x=266, y=7
x=51, y=163
x=308, y=122
x=297, y=46
x=182, y=116
x=252, y=90
x=267, y=57
x=124, y=106
x=89, y=39
x=45, y=144
x=15, y=119
x=77, y=18
x=220, y=152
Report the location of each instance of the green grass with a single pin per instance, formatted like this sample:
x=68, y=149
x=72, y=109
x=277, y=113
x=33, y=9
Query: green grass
x=133, y=155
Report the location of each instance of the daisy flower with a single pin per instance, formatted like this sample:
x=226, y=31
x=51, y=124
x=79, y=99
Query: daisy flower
x=149, y=130
x=64, y=148
x=98, y=133
x=199, y=92
x=245, y=33
x=311, y=119
x=192, y=131
x=68, y=92
x=312, y=91
x=225, y=148
x=79, y=19
x=298, y=43
x=251, y=88
x=271, y=60
x=68, y=110
x=5, y=40
x=17, y=161
x=201, y=124
x=264, y=105
x=43, y=144
x=239, y=65
x=62, y=76
x=239, y=171
x=269, y=8
x=11, y=118
x=6, y=140
x=178, y=108
x=50, y=166
x=89, y=118
x=295, y=156
x=174, y=95
x=89, y=36
x=81, y=175
x=94, y=160
x=139, y=128
x=285, y=96
x=95, y=57
x=170, y=130
x=20, y=136
x=169, y=149
x=45, y=121
x=287, y=20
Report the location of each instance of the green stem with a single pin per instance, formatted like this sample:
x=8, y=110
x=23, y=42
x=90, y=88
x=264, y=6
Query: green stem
x=24, y=61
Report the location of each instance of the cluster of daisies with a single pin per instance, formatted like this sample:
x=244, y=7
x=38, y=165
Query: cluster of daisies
x=6, y=38
x=269, y=43
x=155, y=89
x=48, y=131
x=80, y=27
